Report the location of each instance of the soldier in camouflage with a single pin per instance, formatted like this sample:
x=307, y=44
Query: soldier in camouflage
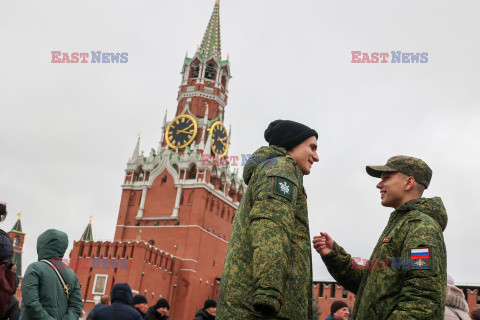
x=405, y=277
x=267, y=272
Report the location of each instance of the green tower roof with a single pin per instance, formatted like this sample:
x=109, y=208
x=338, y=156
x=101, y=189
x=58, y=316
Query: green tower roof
x=87, y=234
x=18, y=225
x=211, y=46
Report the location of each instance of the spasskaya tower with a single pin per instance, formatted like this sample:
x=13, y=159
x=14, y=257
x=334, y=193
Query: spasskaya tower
x=177, y=202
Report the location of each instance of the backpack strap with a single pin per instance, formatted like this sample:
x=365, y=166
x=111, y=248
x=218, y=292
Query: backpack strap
x=455, y=312
x=66, y=287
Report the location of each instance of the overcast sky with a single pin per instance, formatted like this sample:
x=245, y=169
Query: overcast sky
x=67, y=130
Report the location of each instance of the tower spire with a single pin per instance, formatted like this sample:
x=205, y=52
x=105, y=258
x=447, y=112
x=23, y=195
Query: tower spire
x=136, y=152
x=87, y=234
x=18, y=225
x=211, y=44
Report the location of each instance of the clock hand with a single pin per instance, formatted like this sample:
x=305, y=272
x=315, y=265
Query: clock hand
x=188, y=126
x=220, y=139
x=183, y=131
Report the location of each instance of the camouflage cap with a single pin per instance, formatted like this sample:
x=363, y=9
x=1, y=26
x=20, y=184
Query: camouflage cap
x=410, y=166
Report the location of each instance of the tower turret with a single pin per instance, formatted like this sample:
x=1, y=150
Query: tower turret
x=205, y=78
x=87, y=234
x=17, y=236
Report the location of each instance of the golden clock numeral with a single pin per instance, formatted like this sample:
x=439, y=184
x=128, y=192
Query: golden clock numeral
x=183, y=120
x=189, y=137
x=178, y=144
x=177, y=122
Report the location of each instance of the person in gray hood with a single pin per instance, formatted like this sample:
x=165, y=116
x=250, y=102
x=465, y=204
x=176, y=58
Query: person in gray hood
x=43, y=295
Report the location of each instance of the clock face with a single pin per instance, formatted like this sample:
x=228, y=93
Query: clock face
x=219, y=139
x=181, y=131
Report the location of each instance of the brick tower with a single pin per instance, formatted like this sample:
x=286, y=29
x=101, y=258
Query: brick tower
x=177, y=203
x=17, y=237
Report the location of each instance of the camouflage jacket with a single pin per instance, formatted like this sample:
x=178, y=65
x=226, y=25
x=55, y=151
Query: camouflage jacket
x=268, y=260
x=406, y=276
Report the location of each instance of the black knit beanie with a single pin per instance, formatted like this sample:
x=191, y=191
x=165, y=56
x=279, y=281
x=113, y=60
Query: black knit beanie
x=337, y=305
x=210, y=303
x=162, y=303
x=288, y=134
x=138, y=298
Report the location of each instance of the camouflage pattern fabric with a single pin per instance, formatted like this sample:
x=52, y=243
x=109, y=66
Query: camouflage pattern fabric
x=410, y=166
x=268, y=267
x=393, y=286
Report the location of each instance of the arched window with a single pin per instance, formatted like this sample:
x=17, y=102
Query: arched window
x=224, y=81
x=16, y=241
x=223, y=181
x=192, y=172
x=195, y=69
x=210, y=71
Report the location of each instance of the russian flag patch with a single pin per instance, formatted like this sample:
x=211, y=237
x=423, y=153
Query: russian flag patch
x=420, y=258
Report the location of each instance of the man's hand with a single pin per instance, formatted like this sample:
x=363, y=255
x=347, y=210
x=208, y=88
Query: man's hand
x=323, y=243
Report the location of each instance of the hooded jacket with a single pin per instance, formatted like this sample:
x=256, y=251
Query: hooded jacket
x=153, y=314
x=10, y=282
x=455, y=300
x=6, y=246
x=203, y=315
x=267, y=272
x=395, y=284
x=122, y=299
x=43, y=297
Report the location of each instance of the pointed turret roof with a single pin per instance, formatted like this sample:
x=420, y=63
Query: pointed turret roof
x=211, y=45
x=18, y=225
x=87, y=234
x=136, y=152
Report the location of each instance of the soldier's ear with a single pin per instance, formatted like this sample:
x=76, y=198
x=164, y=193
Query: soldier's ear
x=410, y=183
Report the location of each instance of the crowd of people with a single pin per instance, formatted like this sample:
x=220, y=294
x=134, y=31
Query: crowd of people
x=50, y=289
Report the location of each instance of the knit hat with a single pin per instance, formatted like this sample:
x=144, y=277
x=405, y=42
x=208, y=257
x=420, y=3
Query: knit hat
x=288, y=134
x=337, y=305
x=138, y=298
x=475, y=314
x=210, y=303
x=162, y=303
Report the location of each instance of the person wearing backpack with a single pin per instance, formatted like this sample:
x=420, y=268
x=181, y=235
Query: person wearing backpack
x=50, y=290
x=8, y=279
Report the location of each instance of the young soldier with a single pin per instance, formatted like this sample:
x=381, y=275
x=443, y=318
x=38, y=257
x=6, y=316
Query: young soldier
x=267, y=272
x=406, y=276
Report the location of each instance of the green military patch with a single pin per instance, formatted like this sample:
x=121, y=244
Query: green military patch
x=283, y=187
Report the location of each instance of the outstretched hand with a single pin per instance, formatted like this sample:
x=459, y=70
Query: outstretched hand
x=323, y=243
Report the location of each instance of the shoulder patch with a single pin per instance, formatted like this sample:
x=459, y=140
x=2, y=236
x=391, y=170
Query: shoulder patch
x=283, y=187
x=420, y=258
